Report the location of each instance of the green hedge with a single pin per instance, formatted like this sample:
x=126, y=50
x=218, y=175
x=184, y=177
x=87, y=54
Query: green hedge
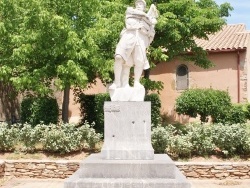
x=92, y=109
x=236, y=114
x=39, y=109
x=204, y=102
x=155, y=108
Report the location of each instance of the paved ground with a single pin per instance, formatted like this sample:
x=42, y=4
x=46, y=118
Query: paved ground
x=58, y=183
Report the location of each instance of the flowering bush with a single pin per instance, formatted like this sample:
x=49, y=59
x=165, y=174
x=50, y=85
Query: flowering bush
x=67, y=137
x=29, y=136
x=62, y=138
x=161, y=137
x=200, y=139
x=8, y=137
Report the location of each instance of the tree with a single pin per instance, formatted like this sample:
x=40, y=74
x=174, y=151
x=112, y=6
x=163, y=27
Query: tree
x=43, y=42
x=180, y=22
x=68, y=43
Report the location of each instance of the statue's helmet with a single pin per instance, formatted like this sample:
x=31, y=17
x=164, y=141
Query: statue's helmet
x=143, y=1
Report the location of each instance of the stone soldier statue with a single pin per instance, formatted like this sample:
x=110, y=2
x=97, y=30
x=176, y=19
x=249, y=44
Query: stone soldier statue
x=135, y=39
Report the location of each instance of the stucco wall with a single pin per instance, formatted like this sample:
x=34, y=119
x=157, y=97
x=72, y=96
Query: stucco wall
x=222, y=76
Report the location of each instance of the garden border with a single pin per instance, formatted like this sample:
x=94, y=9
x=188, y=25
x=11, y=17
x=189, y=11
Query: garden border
x=65, y=168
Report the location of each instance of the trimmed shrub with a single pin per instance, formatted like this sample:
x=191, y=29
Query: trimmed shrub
x=62, y=138
x=202, y=140
x=247, y=110
x=204, y=102
x=99, y=111
x=87, y=108
x=235, y=115
x=180, y=146
x=39, y=109
x=230, y=140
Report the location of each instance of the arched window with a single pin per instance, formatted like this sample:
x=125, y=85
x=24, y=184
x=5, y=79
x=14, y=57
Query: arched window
x=182, y=77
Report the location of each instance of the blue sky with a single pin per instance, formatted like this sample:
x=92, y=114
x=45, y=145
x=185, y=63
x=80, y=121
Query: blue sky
x=241, y=12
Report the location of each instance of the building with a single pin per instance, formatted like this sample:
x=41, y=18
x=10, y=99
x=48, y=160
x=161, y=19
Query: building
x=228, y=49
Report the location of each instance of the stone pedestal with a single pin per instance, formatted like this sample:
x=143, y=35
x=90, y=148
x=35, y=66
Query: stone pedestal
x=127, y=159
x=127, y=128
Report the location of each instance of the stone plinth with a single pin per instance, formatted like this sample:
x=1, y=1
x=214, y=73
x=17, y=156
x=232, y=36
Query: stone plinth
x=127, y=127
x=95, y=167
x=127, y=159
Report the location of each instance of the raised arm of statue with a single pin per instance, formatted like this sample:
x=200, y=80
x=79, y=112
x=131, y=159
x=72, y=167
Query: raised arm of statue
x=153, y=14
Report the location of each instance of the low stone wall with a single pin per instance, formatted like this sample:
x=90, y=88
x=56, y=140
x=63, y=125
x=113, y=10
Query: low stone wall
x=40, y=169
x=63, y=169
x=2, y=168
x=215, y=170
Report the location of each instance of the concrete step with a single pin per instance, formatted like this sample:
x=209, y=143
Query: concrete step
x=95, y=167
x=76, y=182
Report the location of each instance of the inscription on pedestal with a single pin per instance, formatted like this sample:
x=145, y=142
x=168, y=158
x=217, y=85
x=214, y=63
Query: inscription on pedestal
x=111, y=108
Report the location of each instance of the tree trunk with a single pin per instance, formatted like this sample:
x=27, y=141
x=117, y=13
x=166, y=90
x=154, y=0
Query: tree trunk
x=65, y=106
x=147, y=73
x=146, y=76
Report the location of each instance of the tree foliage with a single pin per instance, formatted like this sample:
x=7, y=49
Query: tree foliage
x=68, y=43
x=43, y=40
x=181, y=21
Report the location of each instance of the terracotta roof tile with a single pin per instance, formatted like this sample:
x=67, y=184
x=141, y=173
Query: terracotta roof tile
x=228, y=38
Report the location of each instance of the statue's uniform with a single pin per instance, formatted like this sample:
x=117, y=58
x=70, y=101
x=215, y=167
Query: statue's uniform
x=135, y=38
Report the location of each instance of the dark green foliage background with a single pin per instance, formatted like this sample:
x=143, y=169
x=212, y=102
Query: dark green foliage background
x=155, y=108
x=39, y=109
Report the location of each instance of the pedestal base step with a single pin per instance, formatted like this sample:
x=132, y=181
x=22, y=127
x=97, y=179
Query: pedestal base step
x=97, y=173
x=95, y=167
x=76, y=182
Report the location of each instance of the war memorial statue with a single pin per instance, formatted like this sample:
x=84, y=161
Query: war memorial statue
x=127, y=158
